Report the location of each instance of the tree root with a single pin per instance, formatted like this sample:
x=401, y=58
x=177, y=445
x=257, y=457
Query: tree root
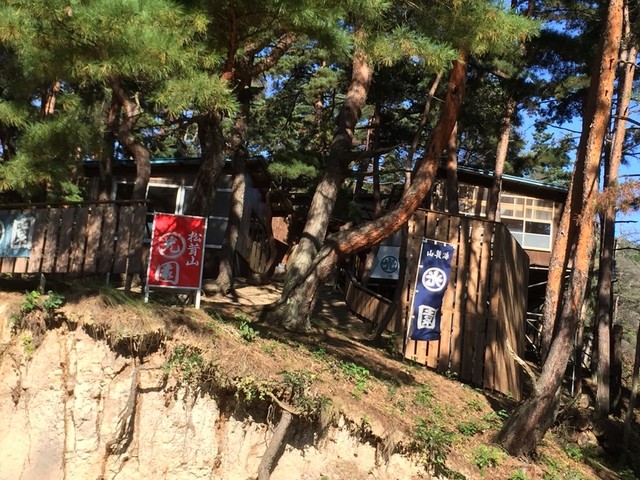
x=124, y=430
x=275, y=444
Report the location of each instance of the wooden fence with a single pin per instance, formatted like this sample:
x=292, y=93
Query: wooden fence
x=484, y=306
x=86, y=238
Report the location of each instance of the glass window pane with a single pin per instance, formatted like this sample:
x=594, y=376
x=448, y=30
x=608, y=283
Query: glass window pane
x=538, y=227
x=221, y=204
x=514, y=226
x=541, y=242
x=216, y=229
x=543, y=215
x=161, y=199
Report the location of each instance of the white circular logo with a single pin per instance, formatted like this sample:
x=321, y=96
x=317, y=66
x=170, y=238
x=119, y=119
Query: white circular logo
x=171, y=245
x=434, y=279
x=389, y=264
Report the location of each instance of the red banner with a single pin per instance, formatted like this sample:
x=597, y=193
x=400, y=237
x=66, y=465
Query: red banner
x=177, y=251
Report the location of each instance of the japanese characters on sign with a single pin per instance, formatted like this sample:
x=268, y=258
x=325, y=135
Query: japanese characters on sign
x=431, y=283
x=16, y=234
x=177, y=251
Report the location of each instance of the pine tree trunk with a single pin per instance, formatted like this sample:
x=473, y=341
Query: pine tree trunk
x=294, y=308
x=212, y=155
x=106, y=155
x=130, y=114
x=452, y=172
x=224, y=281
x=608, y=217
x=338, y=162
x=628, y=418
x=493, y=213
x=374, y=144
x=528, y=424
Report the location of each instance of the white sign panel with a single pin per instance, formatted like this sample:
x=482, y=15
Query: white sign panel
x=387, y=263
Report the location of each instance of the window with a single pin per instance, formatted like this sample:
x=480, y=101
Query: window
x=167, y=198
x=530, y=220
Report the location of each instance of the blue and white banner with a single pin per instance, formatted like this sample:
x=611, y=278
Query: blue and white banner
x=16, y=235
x=431, y=283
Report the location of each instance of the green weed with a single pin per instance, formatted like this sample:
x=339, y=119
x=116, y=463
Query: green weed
x=246, y=332
x=433, y=441
x=518, y=475
x=187, y=361
x=475, y=403
x=358, y=374
x=423, y=396
x=468, y=429
x=486, y=456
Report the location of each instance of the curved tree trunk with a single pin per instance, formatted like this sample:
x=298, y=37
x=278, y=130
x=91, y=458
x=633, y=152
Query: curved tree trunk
x=338, y=162
x=525, y=428
x=293, y=310
x=130, y=114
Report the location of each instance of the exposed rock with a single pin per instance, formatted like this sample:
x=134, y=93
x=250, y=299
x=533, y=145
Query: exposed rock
x=75, y=410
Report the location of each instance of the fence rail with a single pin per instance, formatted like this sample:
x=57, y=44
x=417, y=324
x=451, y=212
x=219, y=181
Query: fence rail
x=87, y=238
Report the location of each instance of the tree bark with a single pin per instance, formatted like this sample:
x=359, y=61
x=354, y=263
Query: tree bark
x=106, y=157
x=49, y=99
x=130, y=114
x=493, y=212
x=293, y=310
x=608, y=218
x=326, y=193
x=374, y=144
x=626, y=430
x=269, y=457
x=224, y=281
x=452, y=172
x=528, y=424
x=212, y=155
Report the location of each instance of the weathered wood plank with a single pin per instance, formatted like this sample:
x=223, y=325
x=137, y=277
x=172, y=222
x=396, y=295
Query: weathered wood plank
x=122, y=244
x=459, y=302
x=483, y=295
x=471, y=307
x=79, y=240
x=138, y=224
x=51, y=241
x=94, y=226
x=37, y=247
x=493, y=353
x=64, y=242
x=107, y=245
